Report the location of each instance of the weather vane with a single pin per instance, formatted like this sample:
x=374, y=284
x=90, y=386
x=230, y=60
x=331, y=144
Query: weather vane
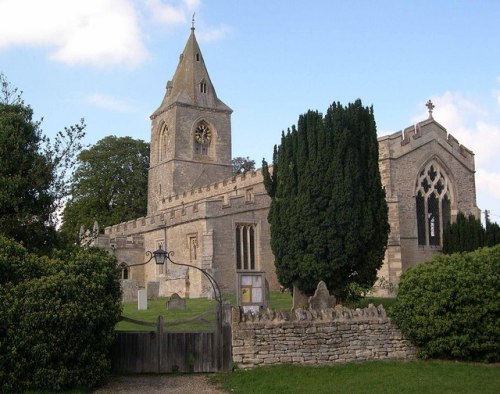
x=192, y=21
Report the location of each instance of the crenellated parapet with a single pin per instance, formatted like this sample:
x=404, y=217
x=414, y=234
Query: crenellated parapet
x=402, y=142
x=243, y=192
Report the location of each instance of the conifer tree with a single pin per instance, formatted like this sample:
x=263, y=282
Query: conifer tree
x=328, y=213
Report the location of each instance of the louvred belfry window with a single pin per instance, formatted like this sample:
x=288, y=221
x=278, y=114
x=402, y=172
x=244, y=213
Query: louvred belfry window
x=433, y=204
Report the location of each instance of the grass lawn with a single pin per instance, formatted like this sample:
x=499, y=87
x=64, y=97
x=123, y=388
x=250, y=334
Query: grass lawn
x=371, y=377
x=197, y=306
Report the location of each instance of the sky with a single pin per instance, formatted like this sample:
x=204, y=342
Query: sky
x=108, y=61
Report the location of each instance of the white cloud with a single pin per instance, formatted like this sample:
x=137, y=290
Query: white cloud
x=108, y=102
x=468, y=122
x=165, y=13
x=213, y=34
x=489, y=182
x=91, y=32
x=463, y=119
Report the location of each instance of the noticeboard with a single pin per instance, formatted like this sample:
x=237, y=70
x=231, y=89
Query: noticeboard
x=252, y=289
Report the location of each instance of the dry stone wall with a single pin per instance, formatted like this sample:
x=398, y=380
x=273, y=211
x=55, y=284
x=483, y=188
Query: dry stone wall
x=335, y=335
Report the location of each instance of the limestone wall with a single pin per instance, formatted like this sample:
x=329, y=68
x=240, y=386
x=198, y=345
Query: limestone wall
x=306, y=337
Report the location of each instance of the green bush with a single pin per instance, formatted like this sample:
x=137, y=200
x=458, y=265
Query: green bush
x=449, y=307
x=56, y=327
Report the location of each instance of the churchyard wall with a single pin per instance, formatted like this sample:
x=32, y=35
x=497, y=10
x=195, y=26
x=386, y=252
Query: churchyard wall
x=334, y=335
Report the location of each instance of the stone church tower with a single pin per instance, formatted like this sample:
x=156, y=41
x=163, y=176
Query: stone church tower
x=190, y=132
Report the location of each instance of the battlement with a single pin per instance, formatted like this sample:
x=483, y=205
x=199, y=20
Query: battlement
x=226, y=187
x=234, y=195
x=414, y=136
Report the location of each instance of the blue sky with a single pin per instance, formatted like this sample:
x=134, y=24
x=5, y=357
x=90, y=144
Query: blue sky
x=109, y=60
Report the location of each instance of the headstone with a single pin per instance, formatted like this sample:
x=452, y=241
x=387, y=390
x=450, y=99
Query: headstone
x=142, y=300
x=176, y=303
x=321, y=299
x=153, y=290
x=129, y=289
x=300, y=300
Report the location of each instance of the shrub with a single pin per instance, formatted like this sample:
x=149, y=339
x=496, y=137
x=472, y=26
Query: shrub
x=448, y=307
x=57, y=327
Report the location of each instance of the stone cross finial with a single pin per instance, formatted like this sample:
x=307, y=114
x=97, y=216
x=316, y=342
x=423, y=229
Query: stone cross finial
x=430, y=107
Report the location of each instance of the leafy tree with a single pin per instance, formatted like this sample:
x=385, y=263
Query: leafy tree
x=57, y=318
x=242, y=165
x=109, y=185
x=33, y=181
x=448, y=307
x=328, y=212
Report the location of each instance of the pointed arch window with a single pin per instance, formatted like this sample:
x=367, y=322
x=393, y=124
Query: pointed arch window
x=162, y=143
x=125, y=271
x=433, y=204
x=202, y=139
x=245, y=246
x=203, y=86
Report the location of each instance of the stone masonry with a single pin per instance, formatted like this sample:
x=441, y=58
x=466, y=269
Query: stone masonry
x=334, y=335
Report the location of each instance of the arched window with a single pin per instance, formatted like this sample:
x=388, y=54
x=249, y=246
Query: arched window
x=433, y=204
x=245, y=246
x=162, y=143
x=202, y=139
x=125, y=271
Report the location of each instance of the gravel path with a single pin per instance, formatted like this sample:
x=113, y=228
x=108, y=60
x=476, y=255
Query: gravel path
x=177, y=384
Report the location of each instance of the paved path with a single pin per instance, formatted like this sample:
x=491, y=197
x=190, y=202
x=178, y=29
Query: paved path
x=178, y=384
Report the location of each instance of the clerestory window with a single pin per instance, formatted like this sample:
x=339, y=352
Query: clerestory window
x=433, y=204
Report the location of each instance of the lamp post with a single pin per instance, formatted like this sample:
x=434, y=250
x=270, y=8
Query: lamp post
x=162, y=256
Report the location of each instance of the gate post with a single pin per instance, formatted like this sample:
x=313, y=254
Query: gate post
x=225, y=337
x=159, y=346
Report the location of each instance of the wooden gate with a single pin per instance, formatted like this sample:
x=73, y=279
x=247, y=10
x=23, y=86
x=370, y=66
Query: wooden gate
x=160, y=351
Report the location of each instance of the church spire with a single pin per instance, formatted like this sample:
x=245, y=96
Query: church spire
x=191, y=84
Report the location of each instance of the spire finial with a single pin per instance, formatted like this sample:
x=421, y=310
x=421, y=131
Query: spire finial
x=430, y=107
x=192, y=21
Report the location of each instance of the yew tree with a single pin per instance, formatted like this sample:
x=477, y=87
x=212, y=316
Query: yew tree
x=328, y=212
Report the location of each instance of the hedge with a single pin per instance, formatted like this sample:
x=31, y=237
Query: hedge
x=449, y=307
x=58, y=325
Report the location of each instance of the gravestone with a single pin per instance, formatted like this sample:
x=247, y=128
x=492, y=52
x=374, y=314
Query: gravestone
x=176, y=303
x=300, y=300
x=129, y=289
x=142, y=300
x=321, y=299
x=153, y=290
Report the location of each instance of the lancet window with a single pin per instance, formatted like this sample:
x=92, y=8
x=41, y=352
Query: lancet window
x=245, y=246
x=162, y=143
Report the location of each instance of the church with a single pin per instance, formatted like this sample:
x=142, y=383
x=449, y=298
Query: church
x=218, y=222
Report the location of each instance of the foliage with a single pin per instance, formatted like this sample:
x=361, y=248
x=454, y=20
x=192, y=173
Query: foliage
x=449, y=308
x=467, y=234
x=33, y=172
x=464, y=235
x=387, y=377
x=328, y=212
x=57, y=318
x=109, y=185
x=492, y=234
x=242, y=165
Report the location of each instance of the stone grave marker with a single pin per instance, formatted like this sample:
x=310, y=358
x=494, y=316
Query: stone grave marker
x=321, y=299
x=142, y=300
x=176, y=303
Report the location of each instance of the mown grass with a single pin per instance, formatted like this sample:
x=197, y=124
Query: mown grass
x=370, y=377
x=197, y=306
